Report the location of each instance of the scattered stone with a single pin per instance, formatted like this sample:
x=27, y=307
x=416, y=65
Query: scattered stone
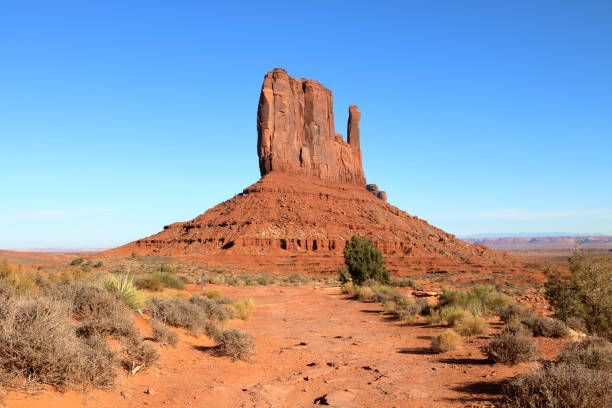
x=150, y=391
x=339, y=399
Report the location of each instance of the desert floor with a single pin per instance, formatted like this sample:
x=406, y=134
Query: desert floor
x=314, y=346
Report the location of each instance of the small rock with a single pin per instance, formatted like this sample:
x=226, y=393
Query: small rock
x=150, y=391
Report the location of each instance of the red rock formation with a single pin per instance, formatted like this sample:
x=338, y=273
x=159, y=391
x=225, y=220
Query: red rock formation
x=296, y=133
x=310, y=200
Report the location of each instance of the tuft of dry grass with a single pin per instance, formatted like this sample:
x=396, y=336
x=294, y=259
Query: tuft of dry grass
x=446, y=341
x=470, y=325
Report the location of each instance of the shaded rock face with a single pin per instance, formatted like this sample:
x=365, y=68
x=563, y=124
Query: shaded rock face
x=296, y=132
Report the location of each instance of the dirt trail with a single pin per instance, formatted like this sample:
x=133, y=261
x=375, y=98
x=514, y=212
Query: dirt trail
x=311, y=342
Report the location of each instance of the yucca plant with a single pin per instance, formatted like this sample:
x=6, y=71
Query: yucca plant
x=124, y=288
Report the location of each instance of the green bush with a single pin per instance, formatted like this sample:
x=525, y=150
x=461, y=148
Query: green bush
x=343, y=275
x=364, y=261
x=77, y=261
x=584, y=293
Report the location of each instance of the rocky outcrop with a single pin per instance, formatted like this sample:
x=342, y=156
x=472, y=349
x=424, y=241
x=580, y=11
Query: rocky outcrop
x=373, y=188
x=296, y=132
x=311, y=199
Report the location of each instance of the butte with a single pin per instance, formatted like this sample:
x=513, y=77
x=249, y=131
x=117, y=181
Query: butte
x=311, y=198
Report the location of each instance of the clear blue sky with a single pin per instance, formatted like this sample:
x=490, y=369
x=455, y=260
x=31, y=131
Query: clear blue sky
x=119, y=117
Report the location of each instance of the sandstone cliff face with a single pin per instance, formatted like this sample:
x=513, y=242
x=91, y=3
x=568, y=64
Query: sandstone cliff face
x=296, y=132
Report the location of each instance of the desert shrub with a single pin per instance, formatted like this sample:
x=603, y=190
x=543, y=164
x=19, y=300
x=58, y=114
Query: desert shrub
x=178, y=312
x=214, y=309
x=98, y=264
x=450, y=314
x=138, y=355
x=490, y=298
x=411, y=309
x=435, y=317
x=383, y=293
x=470, y=325
x=364, y=293
x=404, y=282
x=77, y=261
x=446, y=341
x=389, y=307
x=125, y=290
x=15, y=276
x=212, y=293
x=169, y=279
x=480, y=299
x=196, y=314
x=560, y=385
x=235, y=344
x=512, y=313
x=576, y=323
x=343, y=275
x=542, y=326
x=149, y=283
x=242, y=309
x=163, y=335
x=98, y=312
x=585, y=292
x=508, y=348
x=364, y=261
x=594, y=353
x=38, y=343
x=517, y=328
x=348, y=288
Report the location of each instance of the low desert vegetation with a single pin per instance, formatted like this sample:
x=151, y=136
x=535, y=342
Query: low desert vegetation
x=541, y=326
x=446, y=341
x=56, y=335
x=163, y=277
x=511, y=348
x=123, y=287
x=55, y=331
x=164, y=335
x=580, y=377
x=235, y=344
x=584, y=294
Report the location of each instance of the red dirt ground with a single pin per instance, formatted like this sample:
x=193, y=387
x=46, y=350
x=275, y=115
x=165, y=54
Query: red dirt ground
x=311, y=342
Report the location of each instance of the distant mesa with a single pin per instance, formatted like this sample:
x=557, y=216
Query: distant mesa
x=311, y=198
